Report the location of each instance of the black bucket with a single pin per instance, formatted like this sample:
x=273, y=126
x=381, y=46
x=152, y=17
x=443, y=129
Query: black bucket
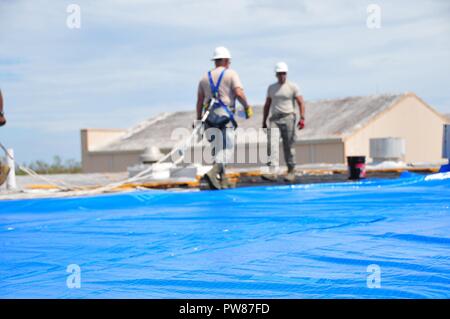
x=356, y=167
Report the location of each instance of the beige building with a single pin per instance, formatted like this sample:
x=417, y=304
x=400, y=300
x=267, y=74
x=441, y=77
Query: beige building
x=334, y=129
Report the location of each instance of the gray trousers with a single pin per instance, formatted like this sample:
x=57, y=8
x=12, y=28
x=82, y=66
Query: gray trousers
x=286, y=123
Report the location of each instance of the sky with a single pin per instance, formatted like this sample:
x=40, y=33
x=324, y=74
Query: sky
x=133, y=59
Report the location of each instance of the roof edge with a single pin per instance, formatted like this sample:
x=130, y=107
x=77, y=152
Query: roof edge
x=394, y=104
x=432, y=109
x=401, y=97
x=103, y=129
x=115, y=152
x=323, y=140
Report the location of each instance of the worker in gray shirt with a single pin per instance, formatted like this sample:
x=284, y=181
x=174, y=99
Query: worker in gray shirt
x=281, y=99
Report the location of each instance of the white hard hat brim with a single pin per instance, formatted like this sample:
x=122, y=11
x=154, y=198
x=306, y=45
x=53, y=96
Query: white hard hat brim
x=220, y=58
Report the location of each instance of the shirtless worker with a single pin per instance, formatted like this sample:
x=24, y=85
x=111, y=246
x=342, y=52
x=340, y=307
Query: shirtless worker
x=217, y=92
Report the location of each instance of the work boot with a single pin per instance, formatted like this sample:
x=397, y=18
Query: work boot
x=4, y=172
x=290, y=177
x=270, y=177
x=213, y=176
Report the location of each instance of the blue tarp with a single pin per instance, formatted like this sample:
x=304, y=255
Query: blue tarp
x=300, y=241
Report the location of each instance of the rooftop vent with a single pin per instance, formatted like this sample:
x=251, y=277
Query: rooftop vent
x=387, y=149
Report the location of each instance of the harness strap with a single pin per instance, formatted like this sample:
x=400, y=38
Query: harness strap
x=215, y=88
x=230, y=114
x=216, y=96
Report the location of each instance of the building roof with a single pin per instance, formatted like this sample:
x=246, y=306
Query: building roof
x=325, y=119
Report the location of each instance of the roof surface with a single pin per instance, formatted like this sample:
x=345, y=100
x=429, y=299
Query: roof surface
x=325, y=119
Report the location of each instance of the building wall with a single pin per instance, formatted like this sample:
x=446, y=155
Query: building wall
x=319, y=151
x=91, y=140
x=410, y=119
x=324, y=151
x=96, y=162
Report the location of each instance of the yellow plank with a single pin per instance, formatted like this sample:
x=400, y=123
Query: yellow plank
x=41, y=186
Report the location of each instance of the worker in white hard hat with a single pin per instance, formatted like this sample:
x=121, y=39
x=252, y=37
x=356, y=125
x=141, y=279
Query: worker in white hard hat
x=4, y=169
x=280, y=102
x=217, y=92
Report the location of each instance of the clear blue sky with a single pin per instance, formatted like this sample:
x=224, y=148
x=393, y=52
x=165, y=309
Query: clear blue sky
x=132, y=59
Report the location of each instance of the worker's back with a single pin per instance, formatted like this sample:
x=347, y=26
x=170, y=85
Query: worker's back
x=228, y=85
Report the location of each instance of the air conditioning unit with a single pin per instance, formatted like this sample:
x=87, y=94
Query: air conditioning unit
x=387, y=149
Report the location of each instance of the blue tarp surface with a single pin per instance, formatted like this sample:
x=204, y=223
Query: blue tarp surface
x=300, y=241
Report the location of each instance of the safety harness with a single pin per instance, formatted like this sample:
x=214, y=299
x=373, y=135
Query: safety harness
x=217, y=101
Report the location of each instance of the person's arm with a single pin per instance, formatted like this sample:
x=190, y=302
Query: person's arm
x=200, y=100
x=266, y=111
x=240, y=96
x=2, y=116
x=238, y=90
x=301, y=108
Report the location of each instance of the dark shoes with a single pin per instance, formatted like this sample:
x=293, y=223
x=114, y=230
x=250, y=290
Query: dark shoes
x=270, y=177
x=217, y=180
x=213, y=177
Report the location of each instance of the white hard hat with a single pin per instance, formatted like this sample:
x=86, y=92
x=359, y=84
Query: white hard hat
x=221, y=53
x=281, y=67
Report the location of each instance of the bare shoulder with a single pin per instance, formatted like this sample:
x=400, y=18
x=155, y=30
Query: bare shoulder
x=232, y=72
x=204, y=78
